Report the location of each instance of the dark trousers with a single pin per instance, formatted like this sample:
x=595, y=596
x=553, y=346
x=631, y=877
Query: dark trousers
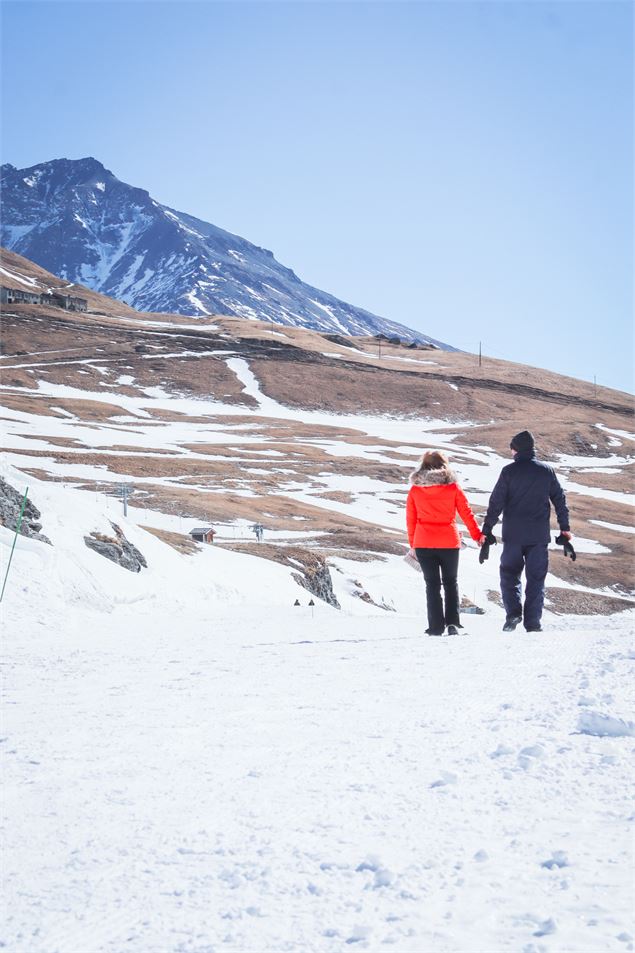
x=440, y=565
x=535, y=561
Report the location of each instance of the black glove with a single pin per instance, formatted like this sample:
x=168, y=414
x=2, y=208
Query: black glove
x=490, y=540
x=568, y=548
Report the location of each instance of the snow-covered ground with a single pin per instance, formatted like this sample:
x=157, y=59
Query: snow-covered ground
x=191, y=763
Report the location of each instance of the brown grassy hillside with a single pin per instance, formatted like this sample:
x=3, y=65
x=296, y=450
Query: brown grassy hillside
x=92, y=369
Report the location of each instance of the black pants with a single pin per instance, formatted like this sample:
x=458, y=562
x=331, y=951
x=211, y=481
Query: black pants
x=535, y=561
x=440, y=565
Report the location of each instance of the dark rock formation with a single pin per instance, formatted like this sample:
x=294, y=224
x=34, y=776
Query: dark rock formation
x=469, y=607
x=338, y=339
x=310, y=570
x=10, y=505
x=584, y=447
x=118, y=549
x=316, y=579
x=360, y=593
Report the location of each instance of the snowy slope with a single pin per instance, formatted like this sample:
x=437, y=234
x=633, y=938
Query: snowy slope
x=75, y=218
x=193, y=764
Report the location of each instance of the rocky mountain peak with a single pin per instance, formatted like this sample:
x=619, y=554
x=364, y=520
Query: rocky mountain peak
x=75, y=218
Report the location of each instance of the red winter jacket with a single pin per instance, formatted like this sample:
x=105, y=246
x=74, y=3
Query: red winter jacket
x=433, y=502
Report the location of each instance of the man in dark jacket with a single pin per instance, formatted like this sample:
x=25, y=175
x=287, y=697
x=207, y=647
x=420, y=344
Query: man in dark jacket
x=523, y=495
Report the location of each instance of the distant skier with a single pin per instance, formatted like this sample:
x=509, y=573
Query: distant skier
x=523, y=494
x=259, y=530
x=433, y=502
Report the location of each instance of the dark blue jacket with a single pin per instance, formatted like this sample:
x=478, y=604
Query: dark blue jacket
x=522, y=494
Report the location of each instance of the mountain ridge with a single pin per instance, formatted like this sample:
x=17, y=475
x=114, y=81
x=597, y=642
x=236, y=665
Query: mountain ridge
x=75, y=218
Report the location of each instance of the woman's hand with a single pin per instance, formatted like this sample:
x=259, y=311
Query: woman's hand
x=482, y=539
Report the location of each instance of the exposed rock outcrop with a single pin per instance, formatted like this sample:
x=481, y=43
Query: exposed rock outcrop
x=360, y=593
x=117, y=548
x=469, y=607
x=584, y=448
x=310, y=570
x=316, y=578
x=10, y=505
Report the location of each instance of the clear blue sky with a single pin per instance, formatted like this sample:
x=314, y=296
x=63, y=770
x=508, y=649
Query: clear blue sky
x=465, y=168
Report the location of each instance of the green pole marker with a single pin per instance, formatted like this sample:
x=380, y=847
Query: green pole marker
x=17, y=530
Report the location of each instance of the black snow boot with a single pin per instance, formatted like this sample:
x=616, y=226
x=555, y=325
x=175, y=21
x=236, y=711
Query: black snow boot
x=511, y=622
x=453, y=630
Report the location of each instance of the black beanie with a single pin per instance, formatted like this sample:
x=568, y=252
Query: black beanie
x=523, y=441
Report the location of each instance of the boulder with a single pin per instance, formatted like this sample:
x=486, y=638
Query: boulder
x=10, y=506
x=117, y=548
x=316, y=579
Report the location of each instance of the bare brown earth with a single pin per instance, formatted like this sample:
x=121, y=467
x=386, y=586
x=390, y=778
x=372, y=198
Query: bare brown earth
x=567, y=601
x=45, y=281
x=180, y=542
x=620, y=481
x=220, y=482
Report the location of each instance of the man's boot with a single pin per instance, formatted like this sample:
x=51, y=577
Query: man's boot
x=511, y=622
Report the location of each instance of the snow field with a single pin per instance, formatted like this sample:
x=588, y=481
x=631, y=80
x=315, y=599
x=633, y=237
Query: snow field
x=268, y=780
x=193, y=764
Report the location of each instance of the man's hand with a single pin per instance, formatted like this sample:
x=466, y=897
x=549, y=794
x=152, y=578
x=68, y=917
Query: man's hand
x=566, y=534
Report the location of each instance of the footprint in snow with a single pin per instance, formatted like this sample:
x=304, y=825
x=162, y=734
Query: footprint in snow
x=546, y=927
x=370, y=862
x=358, y=933
x=585, y=701
x=609, y=759
x=604, y=726
x=529, y=756
x=558, y=859
x=533, y=751
x=446, y=778
x=501, y=751
x=383, y=876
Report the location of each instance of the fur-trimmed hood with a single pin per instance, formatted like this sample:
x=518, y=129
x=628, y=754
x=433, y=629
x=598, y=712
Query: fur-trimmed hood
x=421, y=477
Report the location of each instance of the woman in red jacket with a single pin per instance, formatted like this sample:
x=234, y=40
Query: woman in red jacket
x=433, y=502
